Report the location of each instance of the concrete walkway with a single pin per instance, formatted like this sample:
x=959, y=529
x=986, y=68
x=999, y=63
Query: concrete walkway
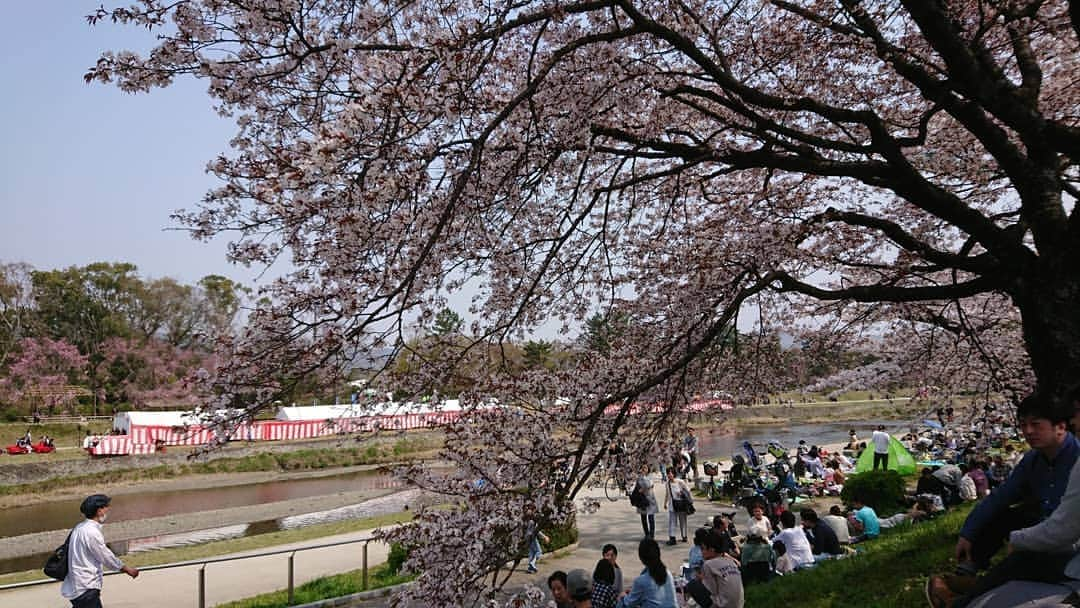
x=228, y=581
x=615, y=522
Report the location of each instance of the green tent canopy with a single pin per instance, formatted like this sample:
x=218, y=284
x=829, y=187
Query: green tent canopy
x=900, y=460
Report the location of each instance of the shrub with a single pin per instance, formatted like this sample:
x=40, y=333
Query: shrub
x=881, y=490
x=396, y=558
x=564, y=535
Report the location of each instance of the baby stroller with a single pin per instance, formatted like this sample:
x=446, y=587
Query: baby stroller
x=744, y=482
x=752, y=458
x=715, y=488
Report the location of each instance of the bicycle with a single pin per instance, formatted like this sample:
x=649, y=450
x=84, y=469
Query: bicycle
x=615, y=486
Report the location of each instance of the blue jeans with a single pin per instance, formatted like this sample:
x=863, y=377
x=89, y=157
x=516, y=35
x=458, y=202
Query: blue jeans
x=534, y=552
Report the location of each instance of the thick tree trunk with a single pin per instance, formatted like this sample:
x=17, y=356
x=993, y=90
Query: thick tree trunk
x=1050, y=307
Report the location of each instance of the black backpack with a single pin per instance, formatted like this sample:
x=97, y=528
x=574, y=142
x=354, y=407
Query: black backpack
x=57, y=564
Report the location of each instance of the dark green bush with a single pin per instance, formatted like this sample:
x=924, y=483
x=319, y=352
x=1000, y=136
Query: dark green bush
x=881, y=490
x=397, y=556
x=560, y=536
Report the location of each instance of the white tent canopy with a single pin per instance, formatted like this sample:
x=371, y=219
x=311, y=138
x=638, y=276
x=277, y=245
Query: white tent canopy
x=336, y=412
x=125, y=420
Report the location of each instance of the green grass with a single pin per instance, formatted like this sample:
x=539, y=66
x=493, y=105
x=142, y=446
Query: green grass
x=323, y=588
x=888, y=572
x=68, y=434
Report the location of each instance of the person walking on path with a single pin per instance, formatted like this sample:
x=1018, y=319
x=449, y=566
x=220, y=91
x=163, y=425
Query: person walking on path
x=533, y=535
x=676, y=490
x=880, y=439
x=647, y=512
x=690, y=446
x=88, y=556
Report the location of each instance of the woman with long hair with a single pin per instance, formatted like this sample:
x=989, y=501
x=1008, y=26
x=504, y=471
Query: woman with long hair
x=655, y=587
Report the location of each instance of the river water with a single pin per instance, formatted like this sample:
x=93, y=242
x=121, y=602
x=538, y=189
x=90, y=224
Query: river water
x=63, y=514
x=715, y=443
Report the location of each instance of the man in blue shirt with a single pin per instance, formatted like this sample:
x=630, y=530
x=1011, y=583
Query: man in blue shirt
x=1041, y=554
x=865, y=521
x=1035, y=485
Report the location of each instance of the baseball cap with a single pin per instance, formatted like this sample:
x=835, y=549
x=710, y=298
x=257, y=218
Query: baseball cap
x=579, y=584
x=92, y=503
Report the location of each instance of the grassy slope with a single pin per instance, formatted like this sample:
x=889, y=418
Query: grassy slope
x=888, y=573
x=323, y=588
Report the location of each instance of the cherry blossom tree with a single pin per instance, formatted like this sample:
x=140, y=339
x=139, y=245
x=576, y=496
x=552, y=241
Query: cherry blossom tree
x=660, y=163
x=44, y=367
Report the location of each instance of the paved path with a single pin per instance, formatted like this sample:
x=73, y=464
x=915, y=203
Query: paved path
x=177, y=587
x=614, y=522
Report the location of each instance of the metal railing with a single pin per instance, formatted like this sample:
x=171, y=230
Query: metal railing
x=65, y=419
x=202, y=563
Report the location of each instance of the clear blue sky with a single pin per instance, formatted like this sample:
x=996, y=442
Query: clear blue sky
x=88, y=173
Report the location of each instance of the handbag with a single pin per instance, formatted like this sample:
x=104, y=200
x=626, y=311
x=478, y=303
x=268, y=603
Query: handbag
x=57, y=565
x=637, y=499
x=683, y=505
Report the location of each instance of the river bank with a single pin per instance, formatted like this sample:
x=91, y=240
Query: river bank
x=38, y=481
x=125, y=531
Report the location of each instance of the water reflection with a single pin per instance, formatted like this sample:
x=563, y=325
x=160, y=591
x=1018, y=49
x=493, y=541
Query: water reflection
x=391, y=503
x=60, y=515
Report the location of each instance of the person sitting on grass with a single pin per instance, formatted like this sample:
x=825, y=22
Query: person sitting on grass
x=603, y=590
x=1045, y=552
x=838, y=523
x=655, y=587
x=864, y=521
x=978, y=476
x=719, y=583
x=758, y=560
x=967, y=489
x=922, y=510
x=557, y=584
x=999, y=471
x=795, y=541
x=696, y=558
x=930, y=484
x=1036, y=483
x=579, y=586
x=760, y=526
x=823, y=541
x=723, y=524
x=611, y=553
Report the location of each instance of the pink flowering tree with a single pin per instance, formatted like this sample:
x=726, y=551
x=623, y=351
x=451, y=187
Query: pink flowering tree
x=41, y=373
x=664, y=165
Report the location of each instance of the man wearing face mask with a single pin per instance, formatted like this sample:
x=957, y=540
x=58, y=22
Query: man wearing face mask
x=88, y=555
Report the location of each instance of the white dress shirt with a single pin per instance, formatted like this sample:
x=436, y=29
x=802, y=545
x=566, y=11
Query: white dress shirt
x=87, y=555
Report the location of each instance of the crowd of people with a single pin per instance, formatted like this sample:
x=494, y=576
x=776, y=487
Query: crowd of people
x=1030, y=500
